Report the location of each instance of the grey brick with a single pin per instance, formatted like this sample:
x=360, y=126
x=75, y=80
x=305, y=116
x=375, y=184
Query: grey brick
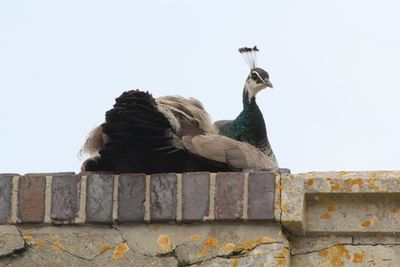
x=131, y=197
x=64, y=198
x=5, y=197
x=99, y=198
x=195, y=195
x=261, y=196
x=50, y=174
x=163, y=197
x=31, y=195
x=229, y=196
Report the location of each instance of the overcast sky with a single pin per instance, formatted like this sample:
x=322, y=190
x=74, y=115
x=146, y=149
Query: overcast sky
x=334, y=66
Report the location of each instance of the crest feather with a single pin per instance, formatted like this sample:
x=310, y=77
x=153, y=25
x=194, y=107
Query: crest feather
x=249, y=55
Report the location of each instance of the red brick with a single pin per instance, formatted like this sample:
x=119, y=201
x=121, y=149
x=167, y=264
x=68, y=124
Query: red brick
x=31, y=196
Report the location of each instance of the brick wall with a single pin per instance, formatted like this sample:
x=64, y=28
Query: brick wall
x=201, y=219
x=102, y=198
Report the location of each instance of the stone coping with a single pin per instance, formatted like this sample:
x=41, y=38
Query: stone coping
x=104, y=198
x=341, y=203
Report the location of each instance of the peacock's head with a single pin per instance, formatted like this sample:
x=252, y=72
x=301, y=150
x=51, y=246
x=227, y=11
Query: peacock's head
x=257, y=80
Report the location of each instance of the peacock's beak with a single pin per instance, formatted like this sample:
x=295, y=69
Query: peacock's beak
x=268, y=83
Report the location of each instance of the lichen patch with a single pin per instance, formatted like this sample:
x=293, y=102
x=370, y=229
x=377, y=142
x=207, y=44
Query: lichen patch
x=195, y=237
x=326, y=216
x=210, y=242
x=358, y=257
x=120, y=251
x=164, y=242
x=103, y=248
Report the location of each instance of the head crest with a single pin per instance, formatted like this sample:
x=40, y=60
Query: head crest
x=249, y=55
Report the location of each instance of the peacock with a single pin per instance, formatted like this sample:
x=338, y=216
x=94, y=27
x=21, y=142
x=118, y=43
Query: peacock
x=249, y=125
x=172, y=134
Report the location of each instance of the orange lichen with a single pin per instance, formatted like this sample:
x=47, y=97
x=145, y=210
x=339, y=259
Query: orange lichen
x=336, y=255
x=234, y=262
x=324, y=253
x=366, y=223
x=195, y=237
x=278, y=187
x=104, y=248
x=335, y=186
x=372, y=186
x=284, y=252
x=164, y=242
x=394, y=210
x=331, y=207
x=201, y=254
x=227, y=248
x=373, y=176
x=281, y=261
x=310, y=182
x=210, y=242
x=325, y=216
x=57, y=245
x=120, y=251
x=250, y=244
x=353, y=182
x=38, y=243
x=358, y=257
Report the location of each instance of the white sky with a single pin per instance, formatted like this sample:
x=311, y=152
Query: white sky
x=334, y=66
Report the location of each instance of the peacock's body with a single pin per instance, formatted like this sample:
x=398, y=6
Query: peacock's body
x=175, y=134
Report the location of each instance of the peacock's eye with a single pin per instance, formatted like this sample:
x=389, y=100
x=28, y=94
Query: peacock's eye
x=254, y=76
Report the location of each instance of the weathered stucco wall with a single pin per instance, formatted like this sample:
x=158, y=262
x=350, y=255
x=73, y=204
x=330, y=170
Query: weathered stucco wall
x=201, y=219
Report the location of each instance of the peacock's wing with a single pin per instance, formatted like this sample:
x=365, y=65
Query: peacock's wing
x=143, y=134
x=239, y=155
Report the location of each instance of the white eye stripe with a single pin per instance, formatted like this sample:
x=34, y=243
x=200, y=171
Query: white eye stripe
x=259, y=76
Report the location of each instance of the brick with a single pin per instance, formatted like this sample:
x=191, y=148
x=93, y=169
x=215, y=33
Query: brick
x=284, y=171
x=195, y=195
x=5, y=197
x=163, y=197
x=31, y=196
x=229, y=196
x=131, y=197
x=64, y=198
x=261, y=196
x=50, y=174
x=99, y=198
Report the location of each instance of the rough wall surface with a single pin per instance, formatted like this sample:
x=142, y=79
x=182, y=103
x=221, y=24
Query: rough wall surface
x=201, y=219
x=145, y=245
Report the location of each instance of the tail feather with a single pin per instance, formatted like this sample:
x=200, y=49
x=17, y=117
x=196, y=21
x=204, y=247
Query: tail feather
x=140, y=136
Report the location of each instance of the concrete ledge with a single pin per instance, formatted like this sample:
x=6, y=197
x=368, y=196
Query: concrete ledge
x=341, y=203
